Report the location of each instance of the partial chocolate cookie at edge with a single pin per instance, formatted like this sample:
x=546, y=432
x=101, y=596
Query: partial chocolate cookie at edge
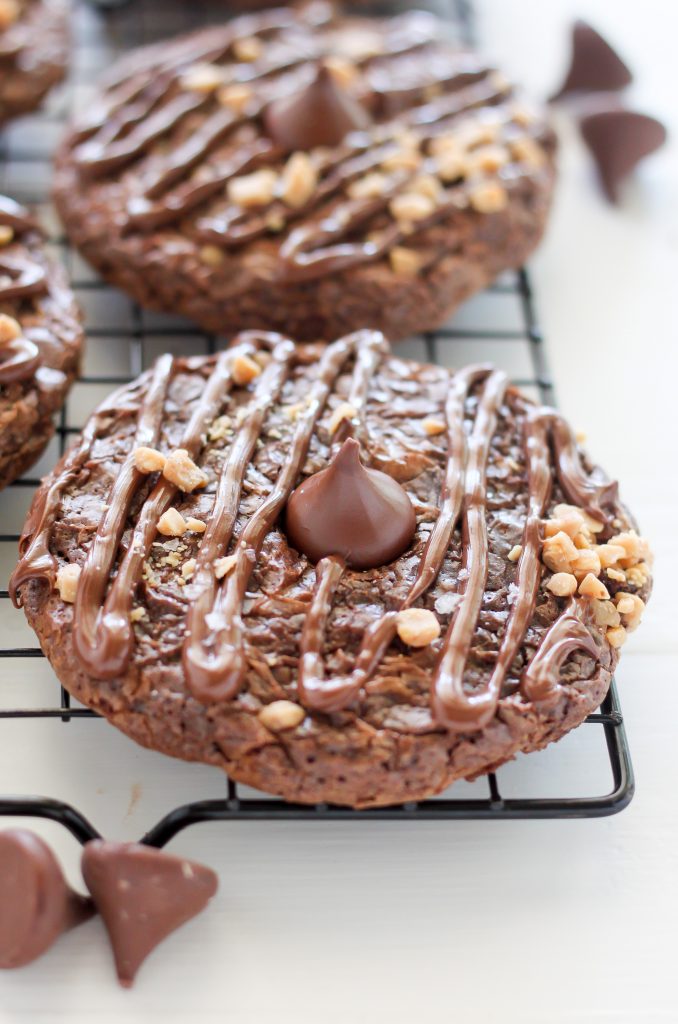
x=158, y=573
x=41, y=340
x=34, y=43
x=305, y=173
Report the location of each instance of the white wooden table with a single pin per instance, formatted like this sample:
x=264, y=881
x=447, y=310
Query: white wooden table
x=474, y=922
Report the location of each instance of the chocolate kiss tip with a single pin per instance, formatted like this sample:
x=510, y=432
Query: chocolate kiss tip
x=360, y=514
x=618, y=141
x=320, y=114
x=143, y=895
x=36, y=904
x=594, y=65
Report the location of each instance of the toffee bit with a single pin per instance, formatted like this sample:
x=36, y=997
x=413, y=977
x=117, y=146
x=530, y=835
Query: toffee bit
x=223, y=566
x=181, y=470
x=281, y=714
x=417, y=627
x=67, y=582
x=172, y=523
x=244, y=370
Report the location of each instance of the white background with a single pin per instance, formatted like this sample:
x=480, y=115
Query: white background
x=471, y=922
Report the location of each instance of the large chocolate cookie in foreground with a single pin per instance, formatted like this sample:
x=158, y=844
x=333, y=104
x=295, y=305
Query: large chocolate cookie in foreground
x=302, y=173
x=41, y=339
x=33, y=52
x=468, y=584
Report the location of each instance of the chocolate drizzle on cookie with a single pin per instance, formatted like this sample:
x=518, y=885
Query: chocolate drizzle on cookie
x=19, y=359
x=21, y=277
x=367, y=108
x=567, y=634
x=214, y=655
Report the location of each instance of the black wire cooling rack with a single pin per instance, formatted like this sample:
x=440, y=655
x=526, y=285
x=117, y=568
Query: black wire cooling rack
x=125, y=339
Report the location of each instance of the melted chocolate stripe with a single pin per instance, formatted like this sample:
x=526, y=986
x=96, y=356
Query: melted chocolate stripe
x=21, y=277
x=529, y=563
x=482, y=705
x=36, y=561
x=367, y=361
x=198, y=661
x=219, y=228
x=95, y=160
x=453, y=483
x=455, y=104
x=143, y=215
x=116, y=107
x=16, y=216
x=539, y=681
x=314, y=689
x=451, y=705
x=303, y=262
x=210, y=133
x=317, y=691
x=224, y=661
x=90, y=639
x=116, y=636
x=597, y=496
x=19, y=359
x=132, y=104
x=26, y=278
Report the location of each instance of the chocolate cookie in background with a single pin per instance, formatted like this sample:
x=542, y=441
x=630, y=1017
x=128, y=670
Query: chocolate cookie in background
x=34, y=45
x=304, y=172
x=41, y=340
x=36, y=904
x=469, y=604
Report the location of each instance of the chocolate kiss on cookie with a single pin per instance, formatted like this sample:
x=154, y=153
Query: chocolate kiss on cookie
x=36, y=904
x=619, y=140
x=143, y=895
x=361, y=514
x=321, y=114
x=594, y=65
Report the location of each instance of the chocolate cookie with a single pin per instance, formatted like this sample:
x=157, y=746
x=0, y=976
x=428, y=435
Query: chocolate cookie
x=41, y=339
x=307, y=174
x=33, y=52
x=467, y=600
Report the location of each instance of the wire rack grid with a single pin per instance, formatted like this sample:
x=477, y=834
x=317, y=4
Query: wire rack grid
x=500, y=326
